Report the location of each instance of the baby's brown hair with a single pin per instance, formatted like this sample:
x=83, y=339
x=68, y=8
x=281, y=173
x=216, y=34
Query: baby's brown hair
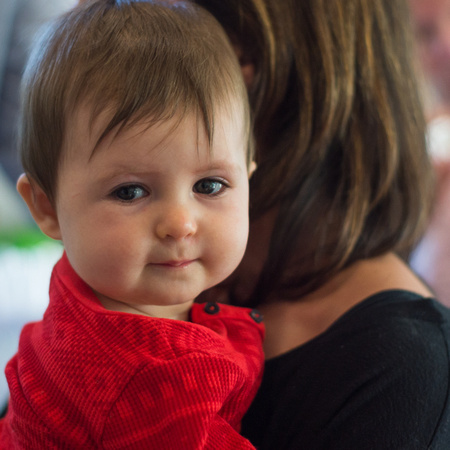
x=139, y=60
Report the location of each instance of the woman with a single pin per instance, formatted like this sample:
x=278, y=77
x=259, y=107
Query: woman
x=357, y=352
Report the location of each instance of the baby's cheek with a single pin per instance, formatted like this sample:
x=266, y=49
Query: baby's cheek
x=234, y=245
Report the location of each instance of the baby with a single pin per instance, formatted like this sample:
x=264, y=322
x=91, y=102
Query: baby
x=136, y=145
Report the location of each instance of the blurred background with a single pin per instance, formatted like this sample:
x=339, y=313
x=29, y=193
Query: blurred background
x=26, y=256
x=431, y=27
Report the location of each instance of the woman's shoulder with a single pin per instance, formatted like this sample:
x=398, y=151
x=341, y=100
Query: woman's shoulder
x=396, y=307
x=391, y=324
x=395, y=326
x=377, y=378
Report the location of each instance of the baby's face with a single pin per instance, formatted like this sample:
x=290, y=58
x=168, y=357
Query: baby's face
x=152, y=217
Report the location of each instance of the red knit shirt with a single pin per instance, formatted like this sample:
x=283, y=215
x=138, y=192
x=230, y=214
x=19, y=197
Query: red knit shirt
x=85, y=377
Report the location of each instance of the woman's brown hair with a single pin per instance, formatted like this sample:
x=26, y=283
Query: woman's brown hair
x=340, y=133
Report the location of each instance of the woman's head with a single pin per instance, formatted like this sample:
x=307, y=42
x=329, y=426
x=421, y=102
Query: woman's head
x=339, y=129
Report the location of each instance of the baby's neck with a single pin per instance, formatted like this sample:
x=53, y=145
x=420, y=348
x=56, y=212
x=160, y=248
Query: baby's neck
x=175, y=312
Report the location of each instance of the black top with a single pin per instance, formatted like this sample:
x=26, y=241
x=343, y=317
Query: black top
x=377, y=379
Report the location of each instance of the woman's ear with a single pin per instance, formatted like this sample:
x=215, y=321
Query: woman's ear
x=40, y=206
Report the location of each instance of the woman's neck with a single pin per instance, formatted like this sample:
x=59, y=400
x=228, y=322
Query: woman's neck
x=290, y=324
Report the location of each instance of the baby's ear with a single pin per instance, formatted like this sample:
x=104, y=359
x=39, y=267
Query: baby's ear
x=251, y=169
x=40, y=206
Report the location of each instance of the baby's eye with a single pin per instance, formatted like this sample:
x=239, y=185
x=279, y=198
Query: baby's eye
x=210, y=186
x=129, y=193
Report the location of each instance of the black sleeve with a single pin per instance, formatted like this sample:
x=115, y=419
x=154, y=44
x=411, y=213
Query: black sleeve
x=369, y=383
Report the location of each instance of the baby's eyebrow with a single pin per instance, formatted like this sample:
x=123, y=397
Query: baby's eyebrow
x=116, y=171
x=222, y=164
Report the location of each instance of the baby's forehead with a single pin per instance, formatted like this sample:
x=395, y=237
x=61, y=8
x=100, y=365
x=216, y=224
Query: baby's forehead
x=92, y=132
x=109, y=122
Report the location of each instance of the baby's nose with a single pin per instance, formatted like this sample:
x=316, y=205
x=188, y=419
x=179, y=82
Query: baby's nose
x=176, y=222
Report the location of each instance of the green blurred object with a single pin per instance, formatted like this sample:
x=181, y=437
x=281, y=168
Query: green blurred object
x=25, y=237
